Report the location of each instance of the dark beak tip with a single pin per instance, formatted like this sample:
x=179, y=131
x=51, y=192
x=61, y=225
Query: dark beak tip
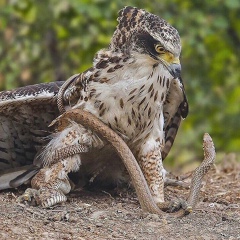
x=176, y=70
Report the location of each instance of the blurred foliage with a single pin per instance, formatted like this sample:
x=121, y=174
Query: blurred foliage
x=42, y=41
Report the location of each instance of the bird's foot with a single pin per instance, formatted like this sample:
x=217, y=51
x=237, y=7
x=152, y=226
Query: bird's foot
x=29, y=197
x=46, y=191
x=176, y=183
x=175, y=206
x=172, y=180
x=44, y=197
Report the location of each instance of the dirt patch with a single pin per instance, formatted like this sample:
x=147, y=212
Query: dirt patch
x=116, y=214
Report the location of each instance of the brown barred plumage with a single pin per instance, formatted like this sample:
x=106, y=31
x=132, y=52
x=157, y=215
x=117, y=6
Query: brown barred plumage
x=133, y=88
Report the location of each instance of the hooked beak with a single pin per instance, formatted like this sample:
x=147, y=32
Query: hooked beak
x=172, y=64
x=175, y=69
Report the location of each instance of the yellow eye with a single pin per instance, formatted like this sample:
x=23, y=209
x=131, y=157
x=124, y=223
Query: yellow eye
x=159, y=49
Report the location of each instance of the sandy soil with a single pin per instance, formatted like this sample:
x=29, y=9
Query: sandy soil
x=116, y=214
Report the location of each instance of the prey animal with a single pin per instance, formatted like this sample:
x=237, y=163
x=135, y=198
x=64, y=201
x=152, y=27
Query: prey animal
x=134, y=87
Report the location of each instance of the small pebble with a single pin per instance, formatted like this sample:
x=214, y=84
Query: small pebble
x=99, y=224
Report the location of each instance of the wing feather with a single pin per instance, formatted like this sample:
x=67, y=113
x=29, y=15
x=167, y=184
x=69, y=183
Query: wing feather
x=25, y=114
x=175, y=109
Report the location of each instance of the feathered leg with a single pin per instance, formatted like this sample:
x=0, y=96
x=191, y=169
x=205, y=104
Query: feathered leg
x=151, y=164
x=50, y=185
x=61, y=156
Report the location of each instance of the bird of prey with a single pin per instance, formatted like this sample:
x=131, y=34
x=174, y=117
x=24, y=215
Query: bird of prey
x=134, y=86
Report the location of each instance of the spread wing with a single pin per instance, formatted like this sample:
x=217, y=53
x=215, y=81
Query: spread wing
x=25, y=114
x=175, y=109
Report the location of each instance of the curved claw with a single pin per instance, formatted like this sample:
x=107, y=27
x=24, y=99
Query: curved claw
x=174, y=206
x=185, y=208
x=188, y=210
x=29, y=196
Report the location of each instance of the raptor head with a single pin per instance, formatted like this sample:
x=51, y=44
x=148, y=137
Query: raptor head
x=145, y=33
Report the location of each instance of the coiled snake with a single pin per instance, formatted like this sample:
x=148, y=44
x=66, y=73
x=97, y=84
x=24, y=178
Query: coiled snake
x=145, y=198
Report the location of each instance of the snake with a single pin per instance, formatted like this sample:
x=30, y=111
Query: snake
x=139, y=182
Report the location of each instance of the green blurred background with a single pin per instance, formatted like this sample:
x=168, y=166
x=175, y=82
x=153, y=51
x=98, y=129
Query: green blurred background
x=43, y=41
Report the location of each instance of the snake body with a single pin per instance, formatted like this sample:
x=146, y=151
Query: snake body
x=201, y=171
x=144, y=195
x=89, y=120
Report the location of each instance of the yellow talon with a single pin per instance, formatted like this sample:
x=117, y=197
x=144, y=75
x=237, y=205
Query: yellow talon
x=26, y=197
x=189, y=209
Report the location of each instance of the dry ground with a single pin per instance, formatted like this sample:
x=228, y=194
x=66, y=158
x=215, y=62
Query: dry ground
x=116, y=214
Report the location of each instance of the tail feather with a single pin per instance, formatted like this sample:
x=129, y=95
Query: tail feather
x=15, y=177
